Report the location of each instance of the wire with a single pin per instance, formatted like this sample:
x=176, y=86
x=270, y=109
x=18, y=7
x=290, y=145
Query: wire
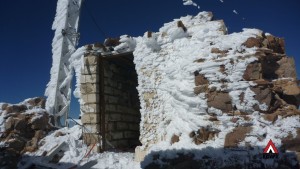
x=94, y=21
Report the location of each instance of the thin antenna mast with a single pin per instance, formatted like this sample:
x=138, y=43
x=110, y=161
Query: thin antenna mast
x=64, y=45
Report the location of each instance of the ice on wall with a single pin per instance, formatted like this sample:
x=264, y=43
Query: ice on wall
x=77, y=64
x=168, y=74
x=75, y=152
x=165, y=63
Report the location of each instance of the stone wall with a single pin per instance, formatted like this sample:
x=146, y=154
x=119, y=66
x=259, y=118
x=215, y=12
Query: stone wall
x=89, y=89
x=111, y=104
x=212, y=89
x=24, y=126
x=122, y=104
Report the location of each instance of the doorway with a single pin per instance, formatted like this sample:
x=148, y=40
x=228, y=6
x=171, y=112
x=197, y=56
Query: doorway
x=119, y=103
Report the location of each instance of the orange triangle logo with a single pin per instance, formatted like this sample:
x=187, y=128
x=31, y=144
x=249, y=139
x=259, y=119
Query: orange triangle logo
x=270, y=148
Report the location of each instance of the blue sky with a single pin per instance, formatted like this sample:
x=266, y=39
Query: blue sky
x=26, y=35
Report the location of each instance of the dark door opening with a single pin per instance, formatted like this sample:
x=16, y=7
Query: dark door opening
x=119, y=103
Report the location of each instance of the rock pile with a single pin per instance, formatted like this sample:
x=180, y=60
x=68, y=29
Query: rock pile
x=219, y=95
x=22, y=126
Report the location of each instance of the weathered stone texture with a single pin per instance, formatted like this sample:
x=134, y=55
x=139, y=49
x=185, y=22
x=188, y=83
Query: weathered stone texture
x=253, y=71
x=120, y=101
x=219, y=100
x=236, y=136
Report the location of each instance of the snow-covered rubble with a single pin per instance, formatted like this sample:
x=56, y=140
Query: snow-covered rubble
x=22, y=126
x=206, y=92
x=191, y=71
x=205, y=95
x=75, y=153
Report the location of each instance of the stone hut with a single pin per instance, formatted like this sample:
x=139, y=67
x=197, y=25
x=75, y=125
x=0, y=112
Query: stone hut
x=190, y=86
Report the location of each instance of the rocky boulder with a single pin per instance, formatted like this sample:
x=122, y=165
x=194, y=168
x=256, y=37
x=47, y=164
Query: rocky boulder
x=24, y=125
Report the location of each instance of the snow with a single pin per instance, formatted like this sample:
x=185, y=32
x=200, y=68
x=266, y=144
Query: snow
x=64, y=44
x=58, y=25
x=234, y=11
x=2, y=144
x=190, y=2
x=2, y=120
x=77, y=64
x=165, y=66
x=75, y=152
x=127, y=44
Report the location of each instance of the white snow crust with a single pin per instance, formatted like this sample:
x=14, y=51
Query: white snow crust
x=75, y=152
x=165, y=64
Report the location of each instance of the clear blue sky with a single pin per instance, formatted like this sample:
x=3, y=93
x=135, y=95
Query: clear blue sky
x=26, y=35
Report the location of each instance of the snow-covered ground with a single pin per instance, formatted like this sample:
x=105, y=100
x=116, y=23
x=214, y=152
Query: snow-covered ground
x=75, y=153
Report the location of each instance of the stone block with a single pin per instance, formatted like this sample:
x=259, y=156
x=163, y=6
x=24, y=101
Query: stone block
x=122, y=109
x=200, y=89
x=88, y=88
x=117, y=135
x=111, y=108
x=122, y=126
x=114, y=68
x=94, y=78
x=108, y=73
x=90, y=138
x=108, y=90
x=253, y=71
x=90, y=69
x=286, y=86
x=91, y=60
x=133, y=111
x=90, y=98
x=200, y=79
x=219, y=100
x=262, y=94
x=218, y=51
x=114, y=117
x=117, y=92
x=131, y=134
x=139, y=154
x=90, y=108
x=90, y=118
x=148, y=97
x=111, y=126
x=276, y=44
x=91, y=128
x=110, y=82
x=130, y=118
x=253, y=42
x=134, y=126
x=120, y=143
x=236, y=136
x=286, y=68
x=111, y=99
